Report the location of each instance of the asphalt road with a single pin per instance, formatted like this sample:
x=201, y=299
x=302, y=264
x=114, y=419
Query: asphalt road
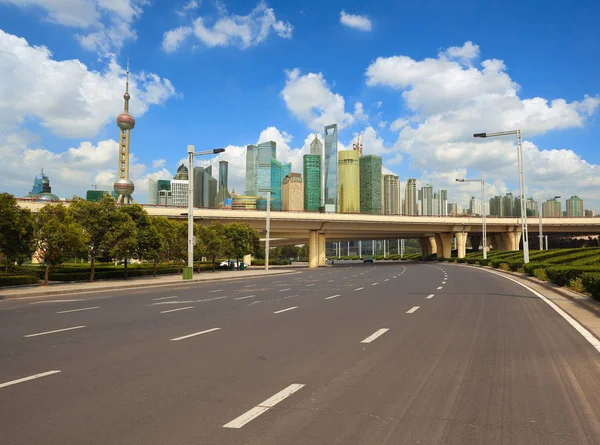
x=351, y=354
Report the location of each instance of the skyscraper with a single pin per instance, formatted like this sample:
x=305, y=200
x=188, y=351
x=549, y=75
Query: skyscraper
x=316, y=146
x=124, y=186
x=278, y=172
x=152, y=191
x=475, y=206
x=575, y=207
x=496, y=206
x=312, y=182
x=292, y=192
x=265, y=152
x=370, y=184
x=452, y=208
x=223, y=194
x=329, y=197
x=442, y=202
x=531, y=207
x=179, y=192
x=209, y=188
x=391, y=195
x=251, y=158
x=551, y=209
x=349, y=182
x=508, y=205
x=410, y=197
x=427, y=200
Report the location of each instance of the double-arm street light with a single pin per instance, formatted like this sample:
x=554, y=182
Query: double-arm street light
x=483, y=212
x=541, y=233
x=188, y=271
x=517, y=133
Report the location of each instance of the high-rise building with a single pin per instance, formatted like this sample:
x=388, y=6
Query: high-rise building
x=251, y=160
x=391, y=195
x=575, y=207
x=223, y=195
x=152, y=192
x=589, y=213
x=329, y=197
x=278, y=172
x=452, y=208
x=316, y=146
x=370, y=184
x=292, y=192
x=508, y=205
x=531, y=207
x=265, y=152
x=209, y=188
x=496, y=206
x=475, y=206
x=165, y=197
x=349, y=181
x=41, y=184
x=124, y=186
x=312, y=182
x=410, y=197
x=440, y=203
x=179, y=192
x=427, y=200
x=552, y=209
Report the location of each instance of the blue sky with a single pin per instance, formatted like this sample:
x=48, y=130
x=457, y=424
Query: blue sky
x=231, y=73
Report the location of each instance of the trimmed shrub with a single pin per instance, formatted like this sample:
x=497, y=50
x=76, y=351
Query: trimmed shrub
x=503, y=266
x=591, y=284
x=496, y=263
x=529, y=268
x=461, y=260
x=540, y=274
x=472, y=260
x=17, y=280
x=562, y=275
x=483, y=262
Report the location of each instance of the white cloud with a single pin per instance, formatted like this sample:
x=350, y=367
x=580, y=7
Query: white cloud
x=158, y=163
x=378, y=104
x=189, y=6
x=309, y=98
x=65, y=96
x=106, y=24
x=382, y=124
x=360, y=22
x=72, y=171
x=450, y=99
x=243, y=31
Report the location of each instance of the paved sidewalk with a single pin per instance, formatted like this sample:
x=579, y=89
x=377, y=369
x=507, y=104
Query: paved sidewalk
x=136, y=282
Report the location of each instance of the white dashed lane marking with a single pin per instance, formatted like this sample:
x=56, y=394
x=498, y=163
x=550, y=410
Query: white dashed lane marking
x=286, y=310
x=375, y=335
x=413, y=309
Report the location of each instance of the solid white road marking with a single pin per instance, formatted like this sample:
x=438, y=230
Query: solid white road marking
x=440, y=287
x=374, y=284
x=387, y=279
x=216, y=290
x=54, y=301
x=164, y=298
x=285, y=310
x=373, y=336
x=53, y=332
x=31, y=377
x=194, y=334
x=359, y=288
x=308, y=285
x=583, y=331
x=283, y=290
x=259, y=409
x=178, y=309
x=430, y=296
x=243, y=298
x=79, y=310
x=413, y=309
x=250, y=285
x=333, y=296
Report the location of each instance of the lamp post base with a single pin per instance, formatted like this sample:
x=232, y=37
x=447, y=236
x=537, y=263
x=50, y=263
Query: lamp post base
x=188, y=273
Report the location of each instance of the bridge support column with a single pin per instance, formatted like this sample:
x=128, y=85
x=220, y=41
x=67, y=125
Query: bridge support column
x=444, y=244
x=461, y=243
x=498, y=241
x=475, y=243
x=322, y=251
x=517, y=240
x=511, y=240
x=424, y=247
x=313, y=249
x=432, y=245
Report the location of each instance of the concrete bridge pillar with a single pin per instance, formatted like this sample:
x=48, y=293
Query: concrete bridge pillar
x=475, y=243
x=461, y=243
x=313, y=249
x=444, y=244
x=498, y=241
x=517, y=240
x=322, y=251
x=432, y=245
x=424, y=247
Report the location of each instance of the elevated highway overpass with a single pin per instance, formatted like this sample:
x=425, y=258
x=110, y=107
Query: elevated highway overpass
x=435, y=233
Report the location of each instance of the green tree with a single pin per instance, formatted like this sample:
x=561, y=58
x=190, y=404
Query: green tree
x=243, y=240
x=121, y=241
x=149, y=241
x=58, y=236
x=179, y=246
x=97, y=218
x=213, y=241
x=16, y=231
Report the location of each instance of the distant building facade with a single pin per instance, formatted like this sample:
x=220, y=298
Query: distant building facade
x=292, y=192
x=391, y=195
x=180, y=192
x=349, y=183
x=552, y=208
x=329, y=198
x=575, y=207
x=370, y=184
x=410, y=197
x=312, y=182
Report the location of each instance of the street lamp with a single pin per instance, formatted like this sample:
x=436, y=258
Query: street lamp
x=483, y=211
x=267, y=247
x=188, y=271
x=517, y=133
x=541, y=234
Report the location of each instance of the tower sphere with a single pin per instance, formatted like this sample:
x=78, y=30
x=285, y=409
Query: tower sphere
x=124, y=187
x=125, y=121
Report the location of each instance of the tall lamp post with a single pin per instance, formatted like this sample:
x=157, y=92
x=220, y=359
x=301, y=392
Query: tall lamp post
x=268, y=230
x=483, y=211
x=188, y=271
x=517, y=133
x=541, y=232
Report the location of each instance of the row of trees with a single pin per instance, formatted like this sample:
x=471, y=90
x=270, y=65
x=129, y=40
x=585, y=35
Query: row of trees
x=104, y=230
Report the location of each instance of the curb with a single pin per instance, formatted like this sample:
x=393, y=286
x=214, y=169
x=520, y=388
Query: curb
x=131, y=285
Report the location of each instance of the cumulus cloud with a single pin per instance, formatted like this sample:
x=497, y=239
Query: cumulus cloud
x=65, y=96
x=105, y=24
x=309, y=98
x=189, y=6
x=243, y=31
x=360, y=22
x=451, y=98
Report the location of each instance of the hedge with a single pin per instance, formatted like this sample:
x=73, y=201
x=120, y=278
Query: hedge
x=271, y=262
x=591, y=284
x=529, y=268
x=562, y=275
x=16, y=280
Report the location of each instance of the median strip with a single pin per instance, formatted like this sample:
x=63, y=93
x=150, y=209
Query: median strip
x=261, y=408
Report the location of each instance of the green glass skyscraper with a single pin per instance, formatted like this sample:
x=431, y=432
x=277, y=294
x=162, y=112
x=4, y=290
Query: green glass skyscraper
x=312, y=182
x=370, y=184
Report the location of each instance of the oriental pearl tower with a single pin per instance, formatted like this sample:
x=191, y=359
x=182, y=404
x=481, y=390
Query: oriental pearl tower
x=124, y=186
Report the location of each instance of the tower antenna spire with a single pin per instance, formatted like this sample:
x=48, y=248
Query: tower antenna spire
x=126, y=95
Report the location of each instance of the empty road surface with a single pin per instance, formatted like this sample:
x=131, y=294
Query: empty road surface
x=351, y=354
